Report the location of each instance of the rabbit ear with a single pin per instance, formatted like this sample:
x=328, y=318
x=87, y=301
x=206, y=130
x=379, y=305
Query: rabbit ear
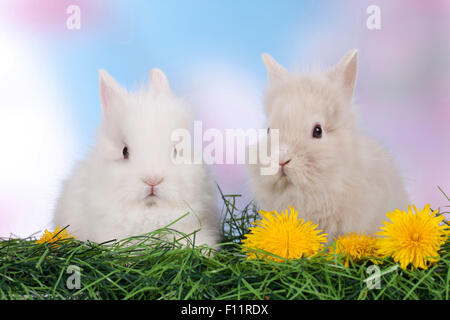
x=110, y=91
x=158, y=81
x=345, y=71
x=275, y=71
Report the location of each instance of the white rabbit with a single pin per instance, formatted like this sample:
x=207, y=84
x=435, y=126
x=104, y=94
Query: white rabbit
x=331, y=172
x=129, y=184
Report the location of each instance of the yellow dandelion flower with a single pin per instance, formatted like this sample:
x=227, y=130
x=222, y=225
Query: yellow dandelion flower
x=356, y=247
x=284, y=235
x=52, y=237
x=413, y=237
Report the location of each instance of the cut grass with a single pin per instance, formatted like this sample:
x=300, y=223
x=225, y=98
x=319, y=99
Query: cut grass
x=147, y=267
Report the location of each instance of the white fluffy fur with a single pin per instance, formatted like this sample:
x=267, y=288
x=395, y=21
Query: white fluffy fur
x=106, y=197
x=344, y=181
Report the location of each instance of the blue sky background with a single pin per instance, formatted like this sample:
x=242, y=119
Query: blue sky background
x=175, y=36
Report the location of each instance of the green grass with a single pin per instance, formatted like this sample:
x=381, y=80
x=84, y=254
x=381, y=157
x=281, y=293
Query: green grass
x=147, y=267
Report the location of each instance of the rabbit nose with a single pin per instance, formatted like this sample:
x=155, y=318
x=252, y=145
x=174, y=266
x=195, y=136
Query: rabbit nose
x=153, y=180
x=283, y=163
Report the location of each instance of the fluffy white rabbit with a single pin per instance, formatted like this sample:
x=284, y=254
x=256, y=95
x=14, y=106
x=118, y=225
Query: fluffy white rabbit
x=329, y=170
x=129, y=184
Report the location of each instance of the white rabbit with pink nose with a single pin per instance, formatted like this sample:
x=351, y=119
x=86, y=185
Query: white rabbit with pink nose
x=329, y=170
x=130, y=183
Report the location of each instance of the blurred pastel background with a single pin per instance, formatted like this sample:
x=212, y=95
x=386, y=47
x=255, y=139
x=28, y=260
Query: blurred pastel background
x=210, y=51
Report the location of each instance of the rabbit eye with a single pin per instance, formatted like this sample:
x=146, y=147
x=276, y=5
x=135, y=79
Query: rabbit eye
x=125, y=153
x=317, y=132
